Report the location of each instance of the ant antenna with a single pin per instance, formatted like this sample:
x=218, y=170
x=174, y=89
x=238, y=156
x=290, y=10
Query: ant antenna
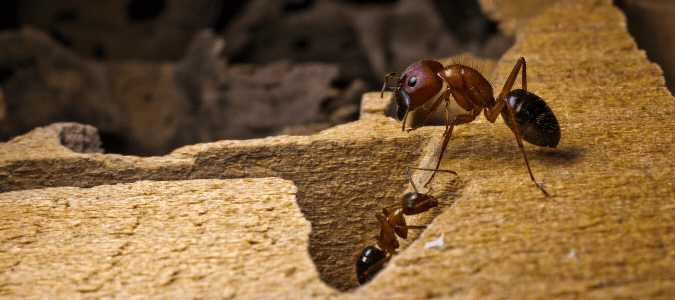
x=437, y=170
x=410, y=178
x=390, y=75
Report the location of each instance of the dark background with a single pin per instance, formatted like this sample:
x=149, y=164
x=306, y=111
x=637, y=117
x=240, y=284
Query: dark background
x=154, y=75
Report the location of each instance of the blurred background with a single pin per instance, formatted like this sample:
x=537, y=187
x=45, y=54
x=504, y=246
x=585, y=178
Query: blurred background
x=154, y=75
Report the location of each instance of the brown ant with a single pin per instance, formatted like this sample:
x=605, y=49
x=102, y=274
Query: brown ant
x=392, y=224
x=427, y=80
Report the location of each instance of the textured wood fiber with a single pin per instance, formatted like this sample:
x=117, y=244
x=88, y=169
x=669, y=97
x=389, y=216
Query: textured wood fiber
x=181, y=239
x=606, y=232
x=344, y=175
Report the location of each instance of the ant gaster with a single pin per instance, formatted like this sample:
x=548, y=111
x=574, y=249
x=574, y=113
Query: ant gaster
x=369, y=263
x=426, y=80
x=392, y=224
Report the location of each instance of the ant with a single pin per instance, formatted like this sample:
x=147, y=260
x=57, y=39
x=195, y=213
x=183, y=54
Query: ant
x=392, y=224
x=369, y=263
x=527, y=115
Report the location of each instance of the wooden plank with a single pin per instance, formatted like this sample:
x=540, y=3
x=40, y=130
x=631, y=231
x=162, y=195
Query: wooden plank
x=607, y=231
x=170, y=239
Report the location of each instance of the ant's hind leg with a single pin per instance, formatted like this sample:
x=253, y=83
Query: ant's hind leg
x=376, y=267
x=522, y=149
x=491, y=113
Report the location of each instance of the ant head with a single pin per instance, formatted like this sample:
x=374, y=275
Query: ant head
x=416, y=203
x=417, y=85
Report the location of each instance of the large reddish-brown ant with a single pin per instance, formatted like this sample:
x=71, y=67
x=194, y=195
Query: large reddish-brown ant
x=428, y=80
x=392, y=224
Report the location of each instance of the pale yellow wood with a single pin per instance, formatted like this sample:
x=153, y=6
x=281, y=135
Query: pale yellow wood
x=242, y=238
x=344, y=175
x=606, y=232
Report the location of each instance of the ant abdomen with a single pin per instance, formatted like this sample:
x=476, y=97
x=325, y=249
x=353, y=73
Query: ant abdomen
x=368, y=258
x=536, y=122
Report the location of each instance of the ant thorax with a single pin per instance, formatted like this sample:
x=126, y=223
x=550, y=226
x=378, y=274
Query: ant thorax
x=454, y=109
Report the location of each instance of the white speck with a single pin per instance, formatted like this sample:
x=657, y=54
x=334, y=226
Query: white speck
x=573, y=255
x=438, y=242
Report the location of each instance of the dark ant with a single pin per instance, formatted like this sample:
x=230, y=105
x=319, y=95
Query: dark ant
x=427, y=80
x=392, y=224
x=365, y=263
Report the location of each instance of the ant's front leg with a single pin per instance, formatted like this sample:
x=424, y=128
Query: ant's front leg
x=448, y=133
x=445, y=96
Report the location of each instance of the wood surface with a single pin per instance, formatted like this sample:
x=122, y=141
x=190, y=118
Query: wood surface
x=606, y=232
x=160, y=239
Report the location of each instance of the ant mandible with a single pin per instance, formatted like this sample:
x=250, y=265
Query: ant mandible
x=426, y=80
x=392, y=224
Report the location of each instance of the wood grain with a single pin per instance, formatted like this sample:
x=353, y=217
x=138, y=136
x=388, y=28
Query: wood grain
x=606, y=232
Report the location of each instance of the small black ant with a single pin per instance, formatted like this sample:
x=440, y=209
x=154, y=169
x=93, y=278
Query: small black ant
x=527, y=115
x=365, y=263
x=392, y=224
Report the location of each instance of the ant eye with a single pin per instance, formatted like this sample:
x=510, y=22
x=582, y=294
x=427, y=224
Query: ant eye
x=412, y=81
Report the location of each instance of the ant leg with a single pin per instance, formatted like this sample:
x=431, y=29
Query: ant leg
x=377, y=266
x=402, y=230
x=445, y=96
x=447, y=115
x=385, y=209
x=437, y=170
x=387, y=247
x=448, y=133
x=522, y=149
x=512, y=78
x=494, y=111
x=491, y=113
x=381, y=218
x=406, y=227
